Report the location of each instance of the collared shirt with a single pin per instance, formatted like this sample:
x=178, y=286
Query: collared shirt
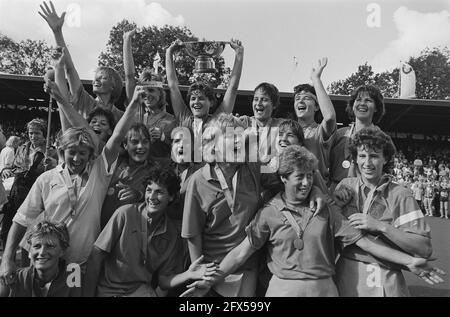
x=49, y=198
x=166, y=123
x=391, y=203
x=26, y=284
x=132, y=176
x=340, y=152
x=316, y=260
x=266, y=134
x=321, y=148
x=84, y=103
x=6, y=157
x=124, y=270
x=25, y=156
x=207, y=213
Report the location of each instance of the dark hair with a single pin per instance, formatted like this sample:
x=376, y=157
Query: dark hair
x=295, y=127
x=272, y=91
x=205, y=89
x=139, y=128
x=46, y=228
x=165, y=177
x=373, y=138
x=373, y=93
x=296, y=156
x=97, y=111
x=308, y=88
x=305, y=87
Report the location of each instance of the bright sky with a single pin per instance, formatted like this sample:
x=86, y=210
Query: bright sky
x=348, y=32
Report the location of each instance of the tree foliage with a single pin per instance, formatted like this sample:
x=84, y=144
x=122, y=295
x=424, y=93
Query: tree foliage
x=26, y=57
x=432, y=68
x=150, y=40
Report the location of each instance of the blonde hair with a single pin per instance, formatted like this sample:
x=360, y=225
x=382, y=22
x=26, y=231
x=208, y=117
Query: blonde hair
x=116, y=79
x=214, y=128
x=76, y=137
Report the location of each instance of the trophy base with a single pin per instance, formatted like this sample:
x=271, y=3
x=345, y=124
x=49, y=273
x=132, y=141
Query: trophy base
x=204, y=65
x=205, y=71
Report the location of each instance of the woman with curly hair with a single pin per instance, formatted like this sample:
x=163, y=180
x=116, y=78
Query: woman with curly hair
x=383, y=209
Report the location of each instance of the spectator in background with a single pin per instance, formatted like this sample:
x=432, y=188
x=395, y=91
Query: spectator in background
x=2, y=138
x=8, y=152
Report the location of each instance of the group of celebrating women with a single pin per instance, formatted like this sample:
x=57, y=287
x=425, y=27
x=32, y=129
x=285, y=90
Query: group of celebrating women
x=128, y=200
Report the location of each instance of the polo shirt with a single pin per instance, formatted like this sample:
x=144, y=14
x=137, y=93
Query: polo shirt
x=166, y=123
x=316, y=260
x=186, y=119
x=124, y=174
x=321, y=148
x=392, y=204
x=340, y=152
x=207, y=214
x=26, y=284
x=84, y=103
x=264, y=139
x=49, y=199
x=124, y=269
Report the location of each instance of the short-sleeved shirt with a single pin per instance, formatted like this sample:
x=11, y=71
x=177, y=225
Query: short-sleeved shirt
x=340, y=154
x=271, y=228
x=186, y=119
x=207, y=214
x=84, y=103
x=124, y=270
x=49, y=199
x=124, y=174
x=25, y=156
x=6, y=157
x=264, y=138
x=26, y=284
x=392, y=204
x=166, y=123
x=443, y=194
x=321, y=148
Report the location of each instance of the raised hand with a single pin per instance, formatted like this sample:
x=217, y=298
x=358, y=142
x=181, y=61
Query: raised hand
x=237, y=46
x=52, y=89
x=49, y=14
x=139, y=93
x=129, y=34
x=175, y=46
x=317, y=72
x=425, y=271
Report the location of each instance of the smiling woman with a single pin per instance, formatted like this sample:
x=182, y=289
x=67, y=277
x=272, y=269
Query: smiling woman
x=383, y=209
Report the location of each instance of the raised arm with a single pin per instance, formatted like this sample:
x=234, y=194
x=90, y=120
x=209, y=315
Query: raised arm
x=325, y=104
x=56, y=23
x=178, y=104
x=230, y=95
x=128, y=64
x=112, y=147
x=61, y=83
